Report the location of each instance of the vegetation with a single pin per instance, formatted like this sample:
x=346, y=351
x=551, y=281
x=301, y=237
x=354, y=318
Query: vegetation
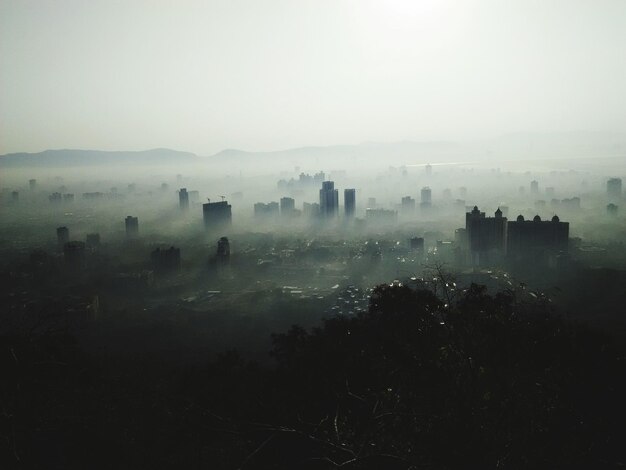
x=424, y=379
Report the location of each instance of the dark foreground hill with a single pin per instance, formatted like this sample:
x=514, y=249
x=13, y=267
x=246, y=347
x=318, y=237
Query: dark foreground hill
x=447, y=381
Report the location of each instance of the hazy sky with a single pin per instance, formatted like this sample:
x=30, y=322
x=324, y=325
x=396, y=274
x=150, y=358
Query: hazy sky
x=260, y=75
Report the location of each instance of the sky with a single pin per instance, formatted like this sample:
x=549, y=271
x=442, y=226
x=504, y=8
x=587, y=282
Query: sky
x=273, y=74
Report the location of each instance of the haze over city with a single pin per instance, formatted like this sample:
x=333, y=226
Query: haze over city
x=312, y=234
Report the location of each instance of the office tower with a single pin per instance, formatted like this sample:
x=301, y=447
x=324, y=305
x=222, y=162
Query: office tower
x=183, y=199
x=329, y=199
x=349, y=202
x=32, y=184
x=217, y=214
x=311, y=209
x=614, y=189
x=426, y=197
x=63, y=236
x=319, y=177
x=287, y=206
x=534, y=187
x=132, y=226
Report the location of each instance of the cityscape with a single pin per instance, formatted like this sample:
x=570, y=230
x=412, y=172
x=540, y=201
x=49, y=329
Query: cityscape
x=312, y=235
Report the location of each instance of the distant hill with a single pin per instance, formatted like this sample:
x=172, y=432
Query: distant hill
x=73, y=157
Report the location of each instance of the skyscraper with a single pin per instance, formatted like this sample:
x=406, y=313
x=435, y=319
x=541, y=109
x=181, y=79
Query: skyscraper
x=426, y=197
x=614, y=189
x=534, y=187
x=329, y=199
x=183, y=199
x=217, y=214
x=349, y=202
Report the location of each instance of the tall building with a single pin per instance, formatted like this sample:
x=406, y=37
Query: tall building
x=311, y=210
x=223, y=250
x=217, y=214
x=529, y=237
x=287, y=206
x=183, y=199
x=349, y=202
x=534, y=187
x=611, y=209
x=93, y=240
x=262, y=210
x=408, y=205
x=426, y=197
x=15, y=196
x=486, y=236
x=329, y=199
x=416, y=244
x=32, y=184
x=614, y=189
x=132, y=226
x=63, y=236
x=166, y=259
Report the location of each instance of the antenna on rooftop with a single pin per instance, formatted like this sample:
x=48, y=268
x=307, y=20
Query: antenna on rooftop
x=208, y=199
x=223, y=197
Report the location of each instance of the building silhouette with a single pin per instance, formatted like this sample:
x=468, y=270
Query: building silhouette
x=611, y=209
x=349, y=202
x=132, y=226
x=223, y=250
x=426, y=198
x=92, y=240
x=15, y=196
x=287, y=206
x=329, y=200
x=407, y=205
x=416, y=244
x=486, y=236
x=165, y=260
x=217, y=214
x=63, y=236
x=614, y=189
x=536, y=237
x=262, y=210
x=183, y=199
x=534, y=187
x=32, y=184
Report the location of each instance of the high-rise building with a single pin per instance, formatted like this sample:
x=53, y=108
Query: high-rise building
x=223, y=250
x=416, y=244
x=534, y=187
x=132, y=226
x=15, y=196
x=614, y=189
x=217, y=214
x=183, y=199
x=529, y=237
x=329, y=199
x=32, y=184
x=262, y=210
x=349, y=202
x=486, y=236
x=426, y=197
x=74, y=254
x=63, y=236
x=408, y=205
x=287, y=206
x=55, y=197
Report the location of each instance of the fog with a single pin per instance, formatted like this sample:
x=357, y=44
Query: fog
x=312, y=234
